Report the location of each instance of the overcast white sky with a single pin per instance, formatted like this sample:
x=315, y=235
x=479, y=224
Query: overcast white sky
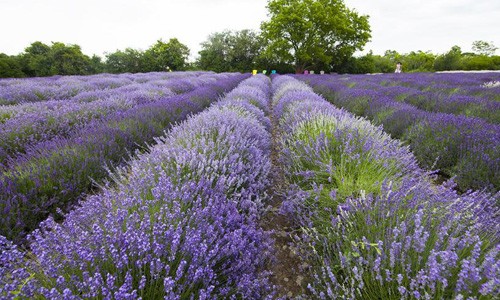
x=100, y=26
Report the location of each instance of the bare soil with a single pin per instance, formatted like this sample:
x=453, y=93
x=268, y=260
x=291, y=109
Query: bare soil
x=287, y=267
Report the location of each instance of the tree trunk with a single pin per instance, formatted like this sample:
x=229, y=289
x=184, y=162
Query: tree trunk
x=299, y=70
x=300, y=67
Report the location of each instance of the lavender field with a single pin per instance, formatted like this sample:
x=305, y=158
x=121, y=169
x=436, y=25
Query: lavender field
x=189, y=185
x=69, y=130
x=450, y=121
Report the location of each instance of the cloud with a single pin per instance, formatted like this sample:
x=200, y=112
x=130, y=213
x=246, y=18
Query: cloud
x=429, y=25
x=100, y=26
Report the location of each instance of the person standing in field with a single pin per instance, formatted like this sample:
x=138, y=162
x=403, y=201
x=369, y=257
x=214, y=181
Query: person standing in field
x=398, y=68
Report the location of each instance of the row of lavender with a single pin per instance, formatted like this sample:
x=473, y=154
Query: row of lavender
x=180, y=223
x=468, y=148
x=372, y=225
x=469, y=95
x=22, y=125
x=481, y=85
x=55, y=173
x=84, y=88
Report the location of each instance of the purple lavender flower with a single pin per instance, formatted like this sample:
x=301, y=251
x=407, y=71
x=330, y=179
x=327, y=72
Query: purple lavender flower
x=435, y=239
x=448, y=126
x=180, y=220
x=57, y=173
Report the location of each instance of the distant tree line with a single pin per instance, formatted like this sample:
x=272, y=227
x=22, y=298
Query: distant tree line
x=162, y=56
x=482, y=58
x=300, y=35
x=228, y=51
x=40, y=59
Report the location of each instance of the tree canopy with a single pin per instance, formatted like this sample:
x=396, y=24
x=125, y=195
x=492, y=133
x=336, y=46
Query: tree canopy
x=233, y=51
x=170, y=56
x=484, y=48
x=128, y=60
x=40, y=59
x=450, y=60
x=314, y=33
x=10, y=67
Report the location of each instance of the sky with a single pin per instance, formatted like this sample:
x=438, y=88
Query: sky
x=104, y=26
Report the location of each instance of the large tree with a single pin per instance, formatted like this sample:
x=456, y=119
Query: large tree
x=314, y=33
x=129, y=60
x=69, y=60
x=452, y=60
x=10, y=66
x=36, y=60
x=214, y=52
x=40, y=59
x=167, y=56
x=230, y=51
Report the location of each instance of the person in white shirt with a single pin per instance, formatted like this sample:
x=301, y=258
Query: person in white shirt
x=398, y=68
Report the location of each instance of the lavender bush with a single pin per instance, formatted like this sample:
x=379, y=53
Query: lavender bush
x=56, y=174
x=23, y=125
x=466, y=148
x=179, y=223
x=19, y=91
x=478, y=86
x=374, y=227
x=53, y=119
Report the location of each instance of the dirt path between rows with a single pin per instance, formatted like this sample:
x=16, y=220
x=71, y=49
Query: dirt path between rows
x=287, y=267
